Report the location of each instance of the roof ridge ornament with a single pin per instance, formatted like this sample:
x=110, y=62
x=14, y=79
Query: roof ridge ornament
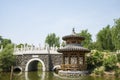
x=73, y=31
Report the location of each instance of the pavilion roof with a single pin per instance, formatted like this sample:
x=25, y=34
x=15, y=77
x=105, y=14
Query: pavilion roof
x=73, y=36
x=73, y=47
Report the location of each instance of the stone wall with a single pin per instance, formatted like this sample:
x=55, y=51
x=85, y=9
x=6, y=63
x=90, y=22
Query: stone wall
x=50, y=60
x=54, y=60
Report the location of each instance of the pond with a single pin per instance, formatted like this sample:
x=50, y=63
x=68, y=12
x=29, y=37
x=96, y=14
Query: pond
x=39, y=75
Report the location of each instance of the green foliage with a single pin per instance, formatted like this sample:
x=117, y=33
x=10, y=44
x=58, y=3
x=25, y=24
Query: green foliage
x=117, y=72
x=88, y=40
x=52, y=40
x=19, y=45
x=109, y=38
x=4, y=42
x=22, y=45
x=99, y=70
x=6, y=55
x=118, y=57
x=116, y=34
x=0, y=39
x=63, y=44
x=110, y=62
x=95, y=59
x=104, y=39
x=6, y=58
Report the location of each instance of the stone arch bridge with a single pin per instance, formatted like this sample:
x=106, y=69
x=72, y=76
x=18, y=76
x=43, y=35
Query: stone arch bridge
x=27, y=58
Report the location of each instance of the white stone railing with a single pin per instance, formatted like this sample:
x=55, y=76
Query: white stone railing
x=35, y=50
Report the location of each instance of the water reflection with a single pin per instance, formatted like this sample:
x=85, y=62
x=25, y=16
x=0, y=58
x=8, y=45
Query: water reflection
x=70, y=78
x=18, y=73
x=39, y=75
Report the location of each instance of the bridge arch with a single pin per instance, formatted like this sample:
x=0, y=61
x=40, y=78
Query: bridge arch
x=56, y=67
x=17, y=68
x=34, y=60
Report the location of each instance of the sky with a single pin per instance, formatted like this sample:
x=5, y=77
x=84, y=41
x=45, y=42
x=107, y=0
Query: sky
x=30, y=21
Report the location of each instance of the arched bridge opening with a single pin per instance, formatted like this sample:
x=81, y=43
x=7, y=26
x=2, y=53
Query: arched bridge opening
x=17, y=69
x=34, y=65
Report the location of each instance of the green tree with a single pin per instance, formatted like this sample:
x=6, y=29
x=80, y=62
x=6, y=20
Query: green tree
x=63, y=44
x=116, y=34
x=104, y=39
x=4, y=42
x=6, y=58
x=93, y=46
x=88, y=40
x=0, y=40
x=52, y=40
x=19, y=45
x=22, y=45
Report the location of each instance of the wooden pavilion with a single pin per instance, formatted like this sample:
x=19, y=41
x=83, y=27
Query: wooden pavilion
x=73, y=53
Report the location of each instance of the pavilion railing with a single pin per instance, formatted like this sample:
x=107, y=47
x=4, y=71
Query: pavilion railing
x=74, y=67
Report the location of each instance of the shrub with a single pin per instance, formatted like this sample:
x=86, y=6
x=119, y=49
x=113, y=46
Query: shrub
x=95, y=60
x=118, y=57
x=117, y=72
x=99, y=70
x=110, y=62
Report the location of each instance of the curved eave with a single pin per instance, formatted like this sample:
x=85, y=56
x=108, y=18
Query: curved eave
x=62, y=51
x=73, y=49
x=73, y=37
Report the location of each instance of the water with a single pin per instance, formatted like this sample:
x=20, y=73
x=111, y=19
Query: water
x=48, y=76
